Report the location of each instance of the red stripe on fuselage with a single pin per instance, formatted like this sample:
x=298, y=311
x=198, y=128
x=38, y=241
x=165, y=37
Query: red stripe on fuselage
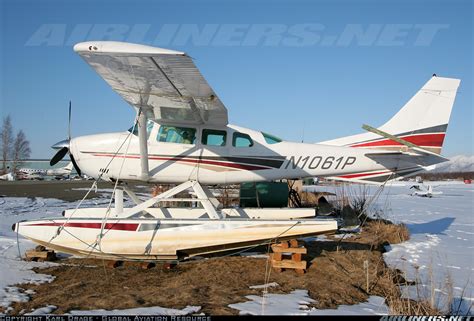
x=431, y=140
x=194, y=161
x=361, y=175
x=108, y=226
x=376, y=173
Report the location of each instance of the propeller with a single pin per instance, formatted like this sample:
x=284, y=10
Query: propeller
x=64, y=148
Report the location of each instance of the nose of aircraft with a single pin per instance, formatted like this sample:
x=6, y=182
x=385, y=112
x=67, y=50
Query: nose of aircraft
x=61, y=144
x=65, y=146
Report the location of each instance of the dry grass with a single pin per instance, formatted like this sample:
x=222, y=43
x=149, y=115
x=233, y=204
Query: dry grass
x=336, y=275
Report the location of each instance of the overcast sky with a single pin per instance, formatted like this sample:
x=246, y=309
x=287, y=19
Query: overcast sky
x=318, y=69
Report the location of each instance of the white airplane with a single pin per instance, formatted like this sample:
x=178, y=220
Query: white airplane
x=60, y=172
x=36, y=173
x=30, y=174
x=7, y=177
x=423, y=190
x=182, y=136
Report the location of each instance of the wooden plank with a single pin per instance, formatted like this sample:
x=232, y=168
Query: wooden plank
x=289, y=264
x=293, y=243
x=276, y=256
x=283, y=244
x=40, y=248
x=40, y=255
x=296, y=257
x=277, y=249
x=36, y=254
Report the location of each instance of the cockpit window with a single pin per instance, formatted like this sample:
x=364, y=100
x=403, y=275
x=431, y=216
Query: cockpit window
x=149, y=127
x=214, y=137
x=178, y=135
x=270, y=139
x=241, y=140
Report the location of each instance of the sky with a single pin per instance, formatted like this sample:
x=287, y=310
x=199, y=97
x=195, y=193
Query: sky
x=301, y=70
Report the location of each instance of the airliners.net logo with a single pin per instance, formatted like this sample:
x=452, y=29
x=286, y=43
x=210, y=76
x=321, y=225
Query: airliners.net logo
x=245, y=35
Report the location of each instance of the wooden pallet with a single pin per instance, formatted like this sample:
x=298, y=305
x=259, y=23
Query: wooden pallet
x=41, y=254
x=288, y=255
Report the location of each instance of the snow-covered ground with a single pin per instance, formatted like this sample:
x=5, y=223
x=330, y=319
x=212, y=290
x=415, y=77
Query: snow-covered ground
x=439, y=251
x=13, y=270
x=297, y=303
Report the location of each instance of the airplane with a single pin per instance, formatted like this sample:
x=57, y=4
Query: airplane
x=181, y=136
x=60, y=172
x=40, y=174
x=7, y=177
x=423, y=190
x=30, y=174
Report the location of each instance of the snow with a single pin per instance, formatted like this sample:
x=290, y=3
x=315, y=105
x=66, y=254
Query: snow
x=439, y=251
x=44, y=310
x=294, y=303
x=297, y=303
x=267, y=285
x=12, y=269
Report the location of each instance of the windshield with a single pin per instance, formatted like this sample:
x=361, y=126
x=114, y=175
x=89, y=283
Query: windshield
x=149, y=127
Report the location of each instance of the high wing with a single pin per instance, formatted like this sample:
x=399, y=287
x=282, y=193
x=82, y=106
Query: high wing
x=164, y=83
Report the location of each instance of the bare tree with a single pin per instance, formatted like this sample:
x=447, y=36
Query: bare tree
x=6, y=135
x=21, y=149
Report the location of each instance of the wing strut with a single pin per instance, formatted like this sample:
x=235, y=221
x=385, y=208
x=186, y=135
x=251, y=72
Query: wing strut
x=142, y=138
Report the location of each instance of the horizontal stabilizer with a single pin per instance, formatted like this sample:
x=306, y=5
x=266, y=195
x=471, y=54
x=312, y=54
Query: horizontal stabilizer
x=414, y=147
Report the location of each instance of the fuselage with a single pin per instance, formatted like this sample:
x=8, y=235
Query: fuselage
x=216, y=155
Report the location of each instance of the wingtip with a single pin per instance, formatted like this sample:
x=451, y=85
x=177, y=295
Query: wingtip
x=101, y=47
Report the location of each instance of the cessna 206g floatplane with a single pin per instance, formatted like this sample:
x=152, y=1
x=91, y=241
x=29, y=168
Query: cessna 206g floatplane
x=182, y=137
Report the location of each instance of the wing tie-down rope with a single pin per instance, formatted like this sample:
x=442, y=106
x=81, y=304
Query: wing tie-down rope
x=94, y=184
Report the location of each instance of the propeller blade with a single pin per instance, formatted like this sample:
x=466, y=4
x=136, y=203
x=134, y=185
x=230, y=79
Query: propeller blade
x=78, y=170
x=61, y=144
x=69, y=123
x=59, y=155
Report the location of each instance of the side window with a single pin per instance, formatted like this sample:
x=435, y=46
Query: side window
x=213, y=137
x=241, y=140
x=149, y=127
x=270, y=139
x=178, y=135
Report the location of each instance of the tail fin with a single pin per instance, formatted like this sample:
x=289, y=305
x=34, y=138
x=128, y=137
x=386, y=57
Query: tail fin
x=422, y=121
x=68, y=166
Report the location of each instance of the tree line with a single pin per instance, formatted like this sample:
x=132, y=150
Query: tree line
x=14, y=148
